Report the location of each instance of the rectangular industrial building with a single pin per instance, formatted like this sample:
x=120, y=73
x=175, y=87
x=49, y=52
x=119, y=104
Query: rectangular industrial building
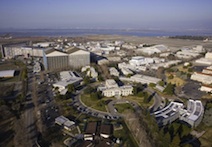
x=57, y=59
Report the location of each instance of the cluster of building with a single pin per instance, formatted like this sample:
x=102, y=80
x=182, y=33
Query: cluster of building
x=111, y=88
x=67, y=78
x=189, y=53
x=192, y=114
x=65, y=123
x=139, y=78
x=207, y=60
x=90, y=72
x=205, y=77
x=140, y=63
x=156, y=49
x=52, y=58
x=98, y=134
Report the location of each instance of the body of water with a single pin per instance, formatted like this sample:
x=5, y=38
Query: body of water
x=82, y=32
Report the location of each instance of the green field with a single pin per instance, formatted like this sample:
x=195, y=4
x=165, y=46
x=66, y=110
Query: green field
x=98, y=104
x=122, y=107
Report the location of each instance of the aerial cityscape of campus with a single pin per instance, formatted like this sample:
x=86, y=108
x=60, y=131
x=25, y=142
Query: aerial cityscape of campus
x=105, y=74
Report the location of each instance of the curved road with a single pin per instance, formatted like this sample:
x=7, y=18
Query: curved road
x=113, y=114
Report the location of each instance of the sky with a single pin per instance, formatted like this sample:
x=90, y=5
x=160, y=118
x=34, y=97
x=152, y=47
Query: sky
x=109, y=14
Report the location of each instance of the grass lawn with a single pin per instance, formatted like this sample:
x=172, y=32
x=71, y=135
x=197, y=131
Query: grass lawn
x=206, y=138
x=18, y=66
x=122, y=107
x=98, y=104
x=140, y=101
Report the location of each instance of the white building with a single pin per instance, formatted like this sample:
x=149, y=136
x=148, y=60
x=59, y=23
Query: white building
x=168, y=114
x=67, y=78
x=207, y=71
x=204, y=61
x=202, y=77
x=206, y=88
x=208, y=55
x=90, y=71
x=114, y=72
x=139, y=60
x=102, y=61
x=199, y=49
x=153, y=49
x=184, y=54
x=43, y=44
x=111, y=88
x=7, y=73
x=126, y=71
x=138, y=78
x=65, y=122
x=128, y=46
x=207, y=60
x=194, y=113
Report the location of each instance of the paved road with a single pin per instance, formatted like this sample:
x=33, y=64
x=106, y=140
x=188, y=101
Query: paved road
x=111, y=115
x=29, y=115
x=157, y=100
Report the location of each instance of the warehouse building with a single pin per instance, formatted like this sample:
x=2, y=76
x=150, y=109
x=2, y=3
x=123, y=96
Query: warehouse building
x=143, y=79
x=202, y=77
x=78, y=58
x=7, y=73
x=55, y=59
x=73, y=57
x=14, y=50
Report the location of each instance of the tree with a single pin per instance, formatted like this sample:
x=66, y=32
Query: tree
x=161, y=83
x=176, y=141
x=171, y=76
x=167, y=138
x=169, y=90
x=152, y=84
x=89, y=90
x=86, y=80
x=71, y=88
x=2, y=102
x=190, y=70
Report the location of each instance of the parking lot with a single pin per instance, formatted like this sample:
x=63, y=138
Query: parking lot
x=191, y=90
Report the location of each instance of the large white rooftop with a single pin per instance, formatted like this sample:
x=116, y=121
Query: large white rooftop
x=7, y=73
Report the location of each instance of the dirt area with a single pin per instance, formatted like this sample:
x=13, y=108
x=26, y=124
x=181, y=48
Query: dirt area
x=176, y=80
